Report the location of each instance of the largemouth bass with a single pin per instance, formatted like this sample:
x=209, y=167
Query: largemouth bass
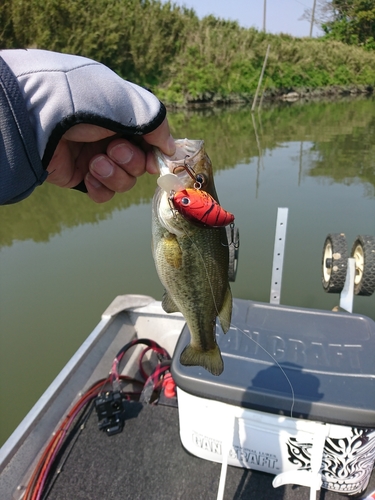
x=191, y=259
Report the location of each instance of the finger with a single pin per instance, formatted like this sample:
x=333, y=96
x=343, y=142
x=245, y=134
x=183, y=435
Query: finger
x=115, y=177
x=151, y=163
x=96, y=190
x=161, y=137
x=61, y=169
x=128, y=156
x=70, y=162
x=84, y=132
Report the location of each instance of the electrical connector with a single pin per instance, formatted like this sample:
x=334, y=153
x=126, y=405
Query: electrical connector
x=110, y=409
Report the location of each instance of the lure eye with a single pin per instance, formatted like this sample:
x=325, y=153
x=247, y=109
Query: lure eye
x=185, y=201
x=201, y=179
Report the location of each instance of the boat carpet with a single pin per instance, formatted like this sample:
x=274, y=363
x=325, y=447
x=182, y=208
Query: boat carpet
x=147, y=461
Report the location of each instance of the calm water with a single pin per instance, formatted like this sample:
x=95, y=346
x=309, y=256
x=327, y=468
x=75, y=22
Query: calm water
x=63, y=258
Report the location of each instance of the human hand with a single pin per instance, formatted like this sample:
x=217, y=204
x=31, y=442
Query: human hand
x=105, y=163
x=92, y=128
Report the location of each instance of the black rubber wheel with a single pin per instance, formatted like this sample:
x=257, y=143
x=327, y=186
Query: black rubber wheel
x=233, y=236
x=334, y=263
x=363, y=251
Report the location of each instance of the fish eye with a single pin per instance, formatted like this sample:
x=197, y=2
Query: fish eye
x=201, y=179
x=185, y=201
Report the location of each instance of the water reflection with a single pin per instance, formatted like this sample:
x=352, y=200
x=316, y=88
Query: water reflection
x=50, y=210
x=336, y=141
x=64, y=258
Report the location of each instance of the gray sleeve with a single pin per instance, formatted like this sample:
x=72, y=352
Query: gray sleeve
x=62, y=90
x=21, y=169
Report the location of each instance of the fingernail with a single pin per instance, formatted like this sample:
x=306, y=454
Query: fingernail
x=101, y=167
x=152, y=166
x=94, y=182
x=121, y=154
x=171, y=146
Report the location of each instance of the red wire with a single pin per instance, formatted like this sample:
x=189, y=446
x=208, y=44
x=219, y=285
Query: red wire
x=114, y=374
x=158, y=350
x=38, y=479
x=46, y=460
x=60, y=437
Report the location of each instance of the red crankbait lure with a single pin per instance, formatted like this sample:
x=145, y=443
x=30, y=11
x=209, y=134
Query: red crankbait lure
x=199, y=207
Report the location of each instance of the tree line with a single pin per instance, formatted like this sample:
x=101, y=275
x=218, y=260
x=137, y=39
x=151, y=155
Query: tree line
x=183, y=58
x=349, y=21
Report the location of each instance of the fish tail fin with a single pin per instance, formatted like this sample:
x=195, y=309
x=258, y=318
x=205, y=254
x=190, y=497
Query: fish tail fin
x=210, y=360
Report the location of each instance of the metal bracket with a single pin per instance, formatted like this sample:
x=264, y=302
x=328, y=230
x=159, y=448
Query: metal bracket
x=278, y=255
x=347, y=294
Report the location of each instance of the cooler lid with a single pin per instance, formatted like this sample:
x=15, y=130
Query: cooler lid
x=304, y=363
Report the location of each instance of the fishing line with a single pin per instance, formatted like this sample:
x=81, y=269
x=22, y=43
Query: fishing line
x=239, y=329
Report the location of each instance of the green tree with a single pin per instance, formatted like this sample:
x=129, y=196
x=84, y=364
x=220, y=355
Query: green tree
x=353, y=22
x=136, y=38
x=183, y=59
x=7, y=35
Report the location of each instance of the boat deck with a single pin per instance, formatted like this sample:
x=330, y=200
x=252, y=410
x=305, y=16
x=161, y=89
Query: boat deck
x=147, y=461
x=144, y=461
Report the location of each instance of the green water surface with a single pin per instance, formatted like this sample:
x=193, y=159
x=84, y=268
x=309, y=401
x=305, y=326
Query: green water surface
x=63, y=258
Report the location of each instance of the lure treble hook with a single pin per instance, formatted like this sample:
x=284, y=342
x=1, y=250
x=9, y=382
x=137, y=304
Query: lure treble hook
x=189, y=170
x=170, y=203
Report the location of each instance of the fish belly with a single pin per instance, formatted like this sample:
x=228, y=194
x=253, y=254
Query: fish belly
x=194, y=271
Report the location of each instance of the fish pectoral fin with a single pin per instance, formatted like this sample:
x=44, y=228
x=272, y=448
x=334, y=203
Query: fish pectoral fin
x=225, y=315
x=210, y=360
x=172, y=252
x=168, y=304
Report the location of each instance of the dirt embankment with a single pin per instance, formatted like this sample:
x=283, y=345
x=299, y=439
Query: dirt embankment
x=275, y=95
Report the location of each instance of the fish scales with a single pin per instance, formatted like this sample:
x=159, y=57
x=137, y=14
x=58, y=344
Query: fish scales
x=191, y=261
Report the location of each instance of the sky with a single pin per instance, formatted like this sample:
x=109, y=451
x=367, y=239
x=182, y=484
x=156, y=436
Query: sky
x=282, y=16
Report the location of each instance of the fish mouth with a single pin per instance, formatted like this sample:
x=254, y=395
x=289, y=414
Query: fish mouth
x=186, y=149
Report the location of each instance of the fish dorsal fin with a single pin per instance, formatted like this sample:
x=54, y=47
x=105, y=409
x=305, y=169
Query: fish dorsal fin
x=225, y=315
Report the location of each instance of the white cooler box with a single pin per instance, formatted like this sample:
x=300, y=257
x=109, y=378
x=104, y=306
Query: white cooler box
x=296, y=397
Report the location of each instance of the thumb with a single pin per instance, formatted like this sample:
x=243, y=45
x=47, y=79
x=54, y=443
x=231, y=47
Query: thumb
x=161, y=137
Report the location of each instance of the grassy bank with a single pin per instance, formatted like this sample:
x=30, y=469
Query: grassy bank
x=216, y=66
x=183, y=59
